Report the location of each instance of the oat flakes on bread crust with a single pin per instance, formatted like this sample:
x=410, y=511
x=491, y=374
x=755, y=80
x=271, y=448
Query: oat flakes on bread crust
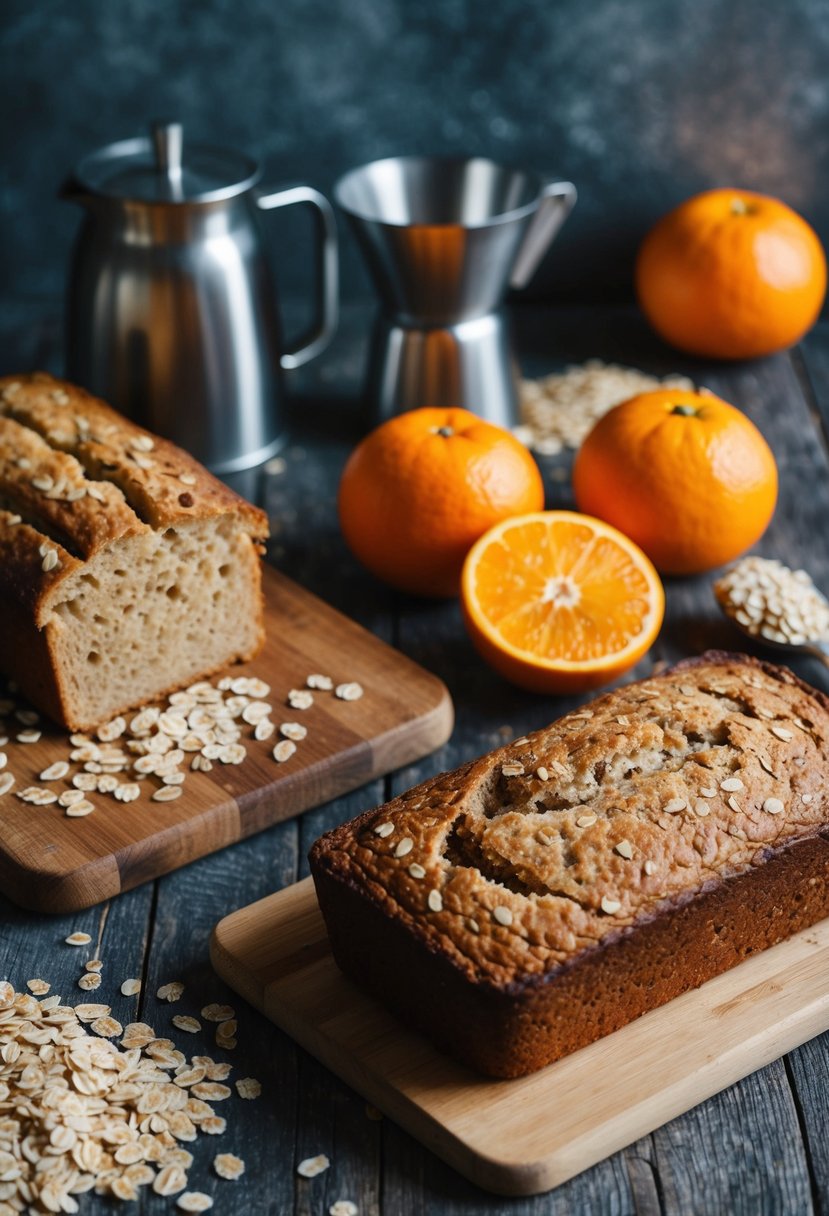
x=694, y=790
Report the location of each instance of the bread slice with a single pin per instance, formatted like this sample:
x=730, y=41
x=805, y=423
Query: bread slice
x=547, y=894
x=126, y=569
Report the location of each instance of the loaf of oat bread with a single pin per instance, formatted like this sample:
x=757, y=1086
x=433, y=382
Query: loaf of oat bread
x=126, y=569
x=552, y=891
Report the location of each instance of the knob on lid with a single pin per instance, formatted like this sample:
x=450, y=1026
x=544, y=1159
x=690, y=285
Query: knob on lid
x=166, y=169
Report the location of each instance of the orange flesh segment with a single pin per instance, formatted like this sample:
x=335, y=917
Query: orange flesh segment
x=562, y=590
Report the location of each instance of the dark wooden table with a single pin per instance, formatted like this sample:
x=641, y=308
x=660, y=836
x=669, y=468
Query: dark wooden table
x=762, y=1146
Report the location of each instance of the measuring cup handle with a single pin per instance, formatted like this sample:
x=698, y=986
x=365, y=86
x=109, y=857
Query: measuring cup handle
x=557, y=201
x=322, y=331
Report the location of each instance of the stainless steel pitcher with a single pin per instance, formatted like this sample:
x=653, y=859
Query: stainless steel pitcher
x=172, y=312
x=444, y=239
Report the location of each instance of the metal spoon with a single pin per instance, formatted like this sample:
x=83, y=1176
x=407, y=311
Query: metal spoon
x=817, y=648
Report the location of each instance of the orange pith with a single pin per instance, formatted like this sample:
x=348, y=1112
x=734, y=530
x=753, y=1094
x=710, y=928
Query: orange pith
x=557, y=601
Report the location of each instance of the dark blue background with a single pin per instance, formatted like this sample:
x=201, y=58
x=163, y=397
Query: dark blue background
x=640, y=102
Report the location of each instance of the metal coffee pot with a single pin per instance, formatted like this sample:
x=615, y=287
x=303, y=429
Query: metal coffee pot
x=172, y=311
x=443, y=240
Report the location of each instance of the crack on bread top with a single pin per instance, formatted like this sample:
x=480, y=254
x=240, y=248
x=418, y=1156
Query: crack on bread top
x=601, y=819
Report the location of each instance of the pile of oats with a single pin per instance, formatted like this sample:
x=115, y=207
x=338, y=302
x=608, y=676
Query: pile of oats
x=154, y=750
x=558, y=411
x=79, y=1113
x=773, y=602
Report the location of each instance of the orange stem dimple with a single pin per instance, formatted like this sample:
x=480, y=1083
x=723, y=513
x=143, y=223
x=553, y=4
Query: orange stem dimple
x=687, y=411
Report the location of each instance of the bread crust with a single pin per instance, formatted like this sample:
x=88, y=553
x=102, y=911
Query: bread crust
x=509, y=998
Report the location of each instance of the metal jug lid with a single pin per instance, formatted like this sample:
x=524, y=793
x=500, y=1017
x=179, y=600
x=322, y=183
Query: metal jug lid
x=162, y=169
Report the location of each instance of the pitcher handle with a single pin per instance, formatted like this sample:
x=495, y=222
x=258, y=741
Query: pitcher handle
x=557, y=201
x=322, y=330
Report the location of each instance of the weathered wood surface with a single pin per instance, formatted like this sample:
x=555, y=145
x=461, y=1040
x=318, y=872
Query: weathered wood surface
x=760, y=1146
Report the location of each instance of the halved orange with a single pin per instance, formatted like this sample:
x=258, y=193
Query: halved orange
x=560, y=602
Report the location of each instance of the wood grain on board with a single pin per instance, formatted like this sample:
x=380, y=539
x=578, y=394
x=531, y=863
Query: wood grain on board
x=525, y=1136
x=53, y=863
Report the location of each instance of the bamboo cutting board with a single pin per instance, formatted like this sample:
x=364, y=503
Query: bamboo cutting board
x=526, y=1136
x=52, y=863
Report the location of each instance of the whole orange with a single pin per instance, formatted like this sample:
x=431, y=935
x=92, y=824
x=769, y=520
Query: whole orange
x=731, y=275
x=418, y=491
x=685, y=475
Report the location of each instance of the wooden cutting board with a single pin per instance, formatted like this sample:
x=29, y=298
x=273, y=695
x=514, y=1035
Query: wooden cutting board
x=526, y=1136
x=52, y=863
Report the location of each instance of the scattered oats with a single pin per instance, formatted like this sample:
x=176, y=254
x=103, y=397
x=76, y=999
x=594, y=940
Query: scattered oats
x=284, y=750
x=731, y=785
x=211, y=1091
x=502, y=915
x=188, y=479
x=170, y=1180
x=89, y=981
x=77, y=810
x=311, y=1166
x=229, y=1167
x=201, y=764
x=674, y=805
x=90, y=1012
x=50, y=561
x=128, y=792
x=343, y=1207
x=773, y=806
x=85, y=781
x=78, y=939
x=38, y=987
x=512, y=769
x=130, y=987
x=213, y=1125
x=248, y=1087
x=734, y=804
x=435, y=901
x=171, y=992
x=194, y=1201
x=384, y=829
x=107, y=1028
x=183, y=1022
x=779, y=731
x=542, y=774
x=610, y=906
x=650, y=866
x=625, y=849
x=94, y=964
x=351, y=691
x=28, y=736
x=323, y=683
x=709, y=792
x=293, y=730
x=218, y=1013
x=300, y=698
x=167, y=793
x=6, y=782
x=404, y=846
x=416, y=870
x=55, y=772
x=586, y=821
x=27, y=717
x=111, y=731
x=263, y=730
x=701, y=808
